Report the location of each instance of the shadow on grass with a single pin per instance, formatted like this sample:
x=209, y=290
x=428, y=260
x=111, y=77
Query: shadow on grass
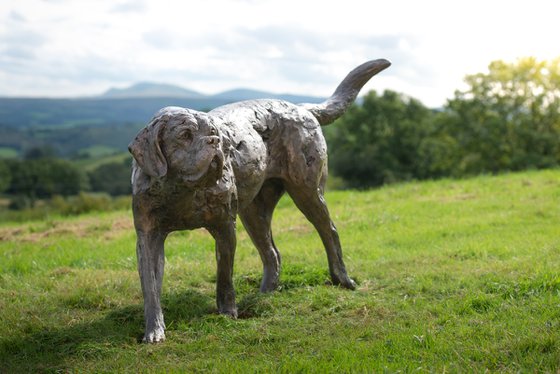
x=291, y=277
x=120, y=330
x=255, y=304
x=50, y=350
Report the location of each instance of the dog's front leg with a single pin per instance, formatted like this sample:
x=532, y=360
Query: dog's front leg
x=225, y=251
x=151, y=260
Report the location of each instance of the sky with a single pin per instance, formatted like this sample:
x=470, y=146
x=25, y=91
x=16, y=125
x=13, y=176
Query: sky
x=65, y=48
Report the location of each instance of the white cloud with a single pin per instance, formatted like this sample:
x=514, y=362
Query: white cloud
x=129, y=6
x=65, y=48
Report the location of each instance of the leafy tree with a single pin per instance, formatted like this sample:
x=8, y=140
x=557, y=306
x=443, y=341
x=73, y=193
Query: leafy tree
x=438, y=152
x=508, y=118
x=377, y=142
x=36, y=153
x=112, y=178
x=42, y=178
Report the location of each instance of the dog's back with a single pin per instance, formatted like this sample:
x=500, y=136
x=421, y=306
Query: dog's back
x=295, y=146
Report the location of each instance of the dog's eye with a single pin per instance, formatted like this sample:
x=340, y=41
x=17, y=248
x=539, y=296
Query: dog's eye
x=185, y=135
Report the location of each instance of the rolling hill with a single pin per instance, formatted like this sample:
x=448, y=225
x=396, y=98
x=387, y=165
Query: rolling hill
x=110, y=119
x=134, y=104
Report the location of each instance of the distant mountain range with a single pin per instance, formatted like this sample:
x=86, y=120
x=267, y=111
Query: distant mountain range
x=117, y=106
x=150, y=89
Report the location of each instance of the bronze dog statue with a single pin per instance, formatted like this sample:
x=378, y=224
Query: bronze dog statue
x=193, y=169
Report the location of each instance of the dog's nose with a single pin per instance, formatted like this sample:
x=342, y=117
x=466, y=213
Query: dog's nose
x=213, y=139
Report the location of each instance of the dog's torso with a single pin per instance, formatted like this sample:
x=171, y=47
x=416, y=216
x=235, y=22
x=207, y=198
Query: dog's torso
x=260, y=140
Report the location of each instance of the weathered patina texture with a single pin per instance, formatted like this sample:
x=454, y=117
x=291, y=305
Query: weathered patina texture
x=194, y=169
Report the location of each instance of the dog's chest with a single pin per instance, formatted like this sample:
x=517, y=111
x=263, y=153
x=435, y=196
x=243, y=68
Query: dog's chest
x=204, y=207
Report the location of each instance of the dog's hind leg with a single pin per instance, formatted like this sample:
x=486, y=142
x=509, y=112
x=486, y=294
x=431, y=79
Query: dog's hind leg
x=312, y=204
x=257, y=218
x=149, y=250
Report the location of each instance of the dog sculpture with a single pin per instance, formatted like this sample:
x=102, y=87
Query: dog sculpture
x=193, y=169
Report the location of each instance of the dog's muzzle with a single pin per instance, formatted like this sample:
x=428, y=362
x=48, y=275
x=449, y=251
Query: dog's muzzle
x=213, y=139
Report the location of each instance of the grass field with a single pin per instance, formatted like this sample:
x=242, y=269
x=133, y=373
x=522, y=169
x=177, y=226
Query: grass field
x=454, y=276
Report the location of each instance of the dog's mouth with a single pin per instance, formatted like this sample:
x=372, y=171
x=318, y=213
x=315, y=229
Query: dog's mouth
x=217, y=163
x=215, y=169
x=210, y=174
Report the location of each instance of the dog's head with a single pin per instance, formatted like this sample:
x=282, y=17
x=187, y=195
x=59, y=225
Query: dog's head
x=181, y=144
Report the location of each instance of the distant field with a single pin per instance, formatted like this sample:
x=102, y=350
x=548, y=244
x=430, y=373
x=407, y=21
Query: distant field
x=70, y=141
x=454, y=276
x=6, y=152
x=89, y=164
x=96, y=151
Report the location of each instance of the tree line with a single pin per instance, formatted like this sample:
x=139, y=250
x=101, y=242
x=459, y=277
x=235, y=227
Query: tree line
x=41, y=175
x=508, y=119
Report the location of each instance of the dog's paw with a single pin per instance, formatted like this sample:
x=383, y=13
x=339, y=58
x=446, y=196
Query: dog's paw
x=155, y=336
x=230, y=312
x=350, y=284
x=269, y=286
x=345, y=282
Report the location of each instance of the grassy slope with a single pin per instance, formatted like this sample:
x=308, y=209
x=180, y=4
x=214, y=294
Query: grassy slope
x=454, y=276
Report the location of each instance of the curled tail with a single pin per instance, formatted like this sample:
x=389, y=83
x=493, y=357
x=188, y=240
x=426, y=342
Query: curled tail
x=346, y=92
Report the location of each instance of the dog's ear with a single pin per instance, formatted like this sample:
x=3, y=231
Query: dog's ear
x=146, y=149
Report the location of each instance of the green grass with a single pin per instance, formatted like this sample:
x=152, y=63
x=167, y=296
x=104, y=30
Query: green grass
x=454, y=276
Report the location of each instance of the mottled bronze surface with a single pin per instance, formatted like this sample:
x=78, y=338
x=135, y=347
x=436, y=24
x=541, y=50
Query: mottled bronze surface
x=194, y=169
